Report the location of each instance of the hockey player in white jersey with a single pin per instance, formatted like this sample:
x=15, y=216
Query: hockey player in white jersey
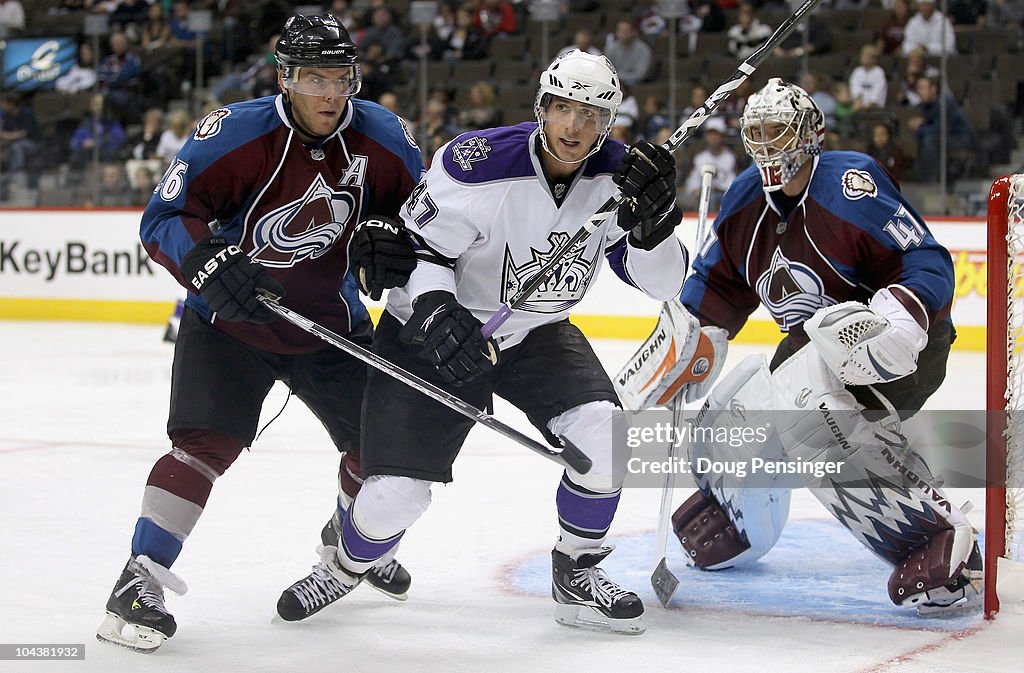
x=490, y=210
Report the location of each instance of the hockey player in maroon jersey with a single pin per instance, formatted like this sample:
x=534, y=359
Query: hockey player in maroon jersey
x=291, y=195
x=825, y=241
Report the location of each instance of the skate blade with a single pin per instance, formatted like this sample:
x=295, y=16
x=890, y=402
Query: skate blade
x=393, y=596
x=972, y=603
x=586, y=617
x=116, y=631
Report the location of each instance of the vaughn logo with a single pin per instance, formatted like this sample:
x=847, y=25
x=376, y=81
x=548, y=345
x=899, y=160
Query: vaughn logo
x=72, y=259
x=650, y=348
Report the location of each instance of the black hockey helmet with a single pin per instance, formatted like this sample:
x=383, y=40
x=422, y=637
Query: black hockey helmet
x=315, y=41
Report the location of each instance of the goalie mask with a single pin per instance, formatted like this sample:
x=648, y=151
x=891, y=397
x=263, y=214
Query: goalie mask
x=583, y=78
x=782, y=127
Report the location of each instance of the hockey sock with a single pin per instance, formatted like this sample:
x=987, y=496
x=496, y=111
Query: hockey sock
x=177, y=490
x=584, y=516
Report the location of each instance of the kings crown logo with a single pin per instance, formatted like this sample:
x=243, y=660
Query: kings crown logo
x=564, y=289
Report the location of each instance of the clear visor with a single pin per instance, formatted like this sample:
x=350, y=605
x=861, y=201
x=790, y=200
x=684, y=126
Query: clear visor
x=578, y=116
x=769, y=139
x=324, y=82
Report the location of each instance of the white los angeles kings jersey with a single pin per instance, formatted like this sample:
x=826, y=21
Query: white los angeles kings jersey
x=485, y=206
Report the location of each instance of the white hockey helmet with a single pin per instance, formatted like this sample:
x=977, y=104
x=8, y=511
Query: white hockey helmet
x=782, y=127
x=579, y=76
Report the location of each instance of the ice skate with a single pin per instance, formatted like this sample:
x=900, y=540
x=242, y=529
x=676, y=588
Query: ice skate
x=326, y=584
x=388, y=576
x=963, y=594
x=586, y=598
x=136, y=616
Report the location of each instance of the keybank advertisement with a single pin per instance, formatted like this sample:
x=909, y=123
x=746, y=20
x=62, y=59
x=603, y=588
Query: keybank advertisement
x=35, y=64
x=96, y=255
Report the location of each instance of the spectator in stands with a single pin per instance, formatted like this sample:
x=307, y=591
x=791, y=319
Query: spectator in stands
x=868, y=84
x=120, y=77
x=930, y=29
x=144, y=144
x=128, y=17
x=346, y=15
x=811, y=83
x=482, y=111
x=383, y=31
x=12, y=15
x=711, y=16
x=719, y=155
x=1005, y=13
x=628, y=113
x=179, y=126
x=652, y=118
x=818, y=39
x=884, y=149
x=465, y=43
x=19, y=132
x=967, y=12
x=143, y=182
x=890, y=37
x=630, y=55
x=584, y=41
x=844, y=110
x=115, y=192
x=496, y=18
x=100, y=135
x=915, y=67
x=927, y=129
x=181, y=35
x=82, y=75
x=156, y=32
x=444, y=21
x=748, y=33
x=434, y=123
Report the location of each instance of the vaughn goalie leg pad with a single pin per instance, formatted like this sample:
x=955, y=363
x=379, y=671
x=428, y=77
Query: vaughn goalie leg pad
x=882, y=493
x=738, y=515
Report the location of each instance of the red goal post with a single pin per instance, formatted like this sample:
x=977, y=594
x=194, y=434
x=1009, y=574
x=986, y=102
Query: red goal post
x=1004, y=501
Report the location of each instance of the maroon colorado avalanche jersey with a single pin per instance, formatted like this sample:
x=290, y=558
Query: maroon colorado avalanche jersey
x=850, y=235
x=246, y=175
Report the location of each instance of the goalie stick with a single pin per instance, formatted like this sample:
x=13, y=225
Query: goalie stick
x=680, y=136
x=663, y=581
x=570, y=456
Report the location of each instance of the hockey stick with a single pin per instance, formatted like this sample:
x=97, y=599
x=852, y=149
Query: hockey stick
x=570, y=456
x=663, y=580
x=680, y=136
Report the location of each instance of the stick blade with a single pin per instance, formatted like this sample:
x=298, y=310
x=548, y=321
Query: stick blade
x=664, y=583
x=574, y=457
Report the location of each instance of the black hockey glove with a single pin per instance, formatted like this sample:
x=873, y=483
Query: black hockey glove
x=647, y=178
x=382, y=255
x=228, y=280
x=450, y=336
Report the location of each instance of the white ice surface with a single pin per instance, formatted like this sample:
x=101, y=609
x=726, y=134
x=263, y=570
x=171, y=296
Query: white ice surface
x=84, y=408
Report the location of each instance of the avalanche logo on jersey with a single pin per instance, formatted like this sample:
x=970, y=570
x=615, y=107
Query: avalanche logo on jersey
x=791, y=291
x=211, y=124
x=858, y=184
x=469, y=151
x=564, y=289
x=307, y=227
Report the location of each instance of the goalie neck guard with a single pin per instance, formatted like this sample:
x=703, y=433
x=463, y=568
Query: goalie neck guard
x=582, y=77
x=782, y=127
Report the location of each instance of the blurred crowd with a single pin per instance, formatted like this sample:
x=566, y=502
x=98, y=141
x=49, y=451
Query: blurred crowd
x=105, y=131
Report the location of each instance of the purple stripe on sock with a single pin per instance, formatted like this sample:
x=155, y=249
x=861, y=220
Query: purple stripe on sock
x=361, y=548
x=586, y=511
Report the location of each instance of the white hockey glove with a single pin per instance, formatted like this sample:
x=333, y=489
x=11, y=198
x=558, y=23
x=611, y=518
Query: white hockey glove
x=871, y=344
x=679, y=357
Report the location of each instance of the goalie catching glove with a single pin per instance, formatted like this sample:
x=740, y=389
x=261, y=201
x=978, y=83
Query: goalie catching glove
x=228, y=280
x=647, y=178
x=871, y=344
x=450, y=337
x=382, y=255
x=679, y=357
